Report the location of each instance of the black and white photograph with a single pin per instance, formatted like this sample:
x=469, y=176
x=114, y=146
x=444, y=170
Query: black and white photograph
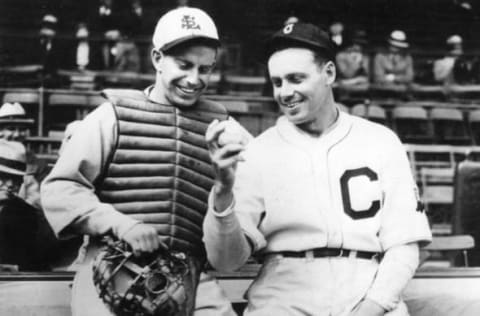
x=239, y=158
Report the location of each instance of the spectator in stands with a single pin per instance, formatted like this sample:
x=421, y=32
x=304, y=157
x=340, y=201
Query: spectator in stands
x=395, y=65
x=127, y=55
x=353, y=63
x=456, y=67
x=106, y=17
x=105, y=23
x=82, y=56
x=168, y=118
x=336, y=33
x=136, y=15
x=120, y=53
x=15, y=126
x=25, y=236
x=86, y=55
x=48, y=50
x=443, y=68
x=109, y=51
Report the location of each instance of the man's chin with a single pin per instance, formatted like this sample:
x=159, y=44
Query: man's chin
x=296, y=119
x=183, y=102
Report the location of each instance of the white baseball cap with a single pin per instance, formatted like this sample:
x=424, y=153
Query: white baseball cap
x=181, y=25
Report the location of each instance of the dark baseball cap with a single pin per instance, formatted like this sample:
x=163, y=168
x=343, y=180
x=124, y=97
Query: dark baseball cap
x=302, y=35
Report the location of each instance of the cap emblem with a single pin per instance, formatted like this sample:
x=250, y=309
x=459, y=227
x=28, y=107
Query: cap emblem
x=288, y=29
x=188, y=22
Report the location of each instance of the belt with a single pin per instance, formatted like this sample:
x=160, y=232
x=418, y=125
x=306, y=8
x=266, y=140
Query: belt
x=326, y=252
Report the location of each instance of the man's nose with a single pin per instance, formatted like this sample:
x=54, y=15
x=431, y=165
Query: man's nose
x=286, y=92
x=193, y=77
x=6, y=184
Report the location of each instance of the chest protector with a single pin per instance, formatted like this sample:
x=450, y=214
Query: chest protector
x=160, y=171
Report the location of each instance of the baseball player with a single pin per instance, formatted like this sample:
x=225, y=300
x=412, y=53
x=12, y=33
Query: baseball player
x=325, y=199
x=137, y=167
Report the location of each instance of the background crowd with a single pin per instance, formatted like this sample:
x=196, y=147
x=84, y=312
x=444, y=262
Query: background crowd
x=112, y=35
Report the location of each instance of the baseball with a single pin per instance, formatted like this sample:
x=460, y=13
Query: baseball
x=233, y=133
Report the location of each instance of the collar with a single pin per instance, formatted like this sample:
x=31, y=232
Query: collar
x=331, y=136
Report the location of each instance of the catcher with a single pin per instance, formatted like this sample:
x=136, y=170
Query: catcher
x=137, y=169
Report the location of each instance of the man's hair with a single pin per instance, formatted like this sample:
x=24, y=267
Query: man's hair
x=180, y=48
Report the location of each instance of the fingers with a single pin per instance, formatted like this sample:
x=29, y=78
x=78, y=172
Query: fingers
x=213, y=132
x=143, y=238
x=227, y=155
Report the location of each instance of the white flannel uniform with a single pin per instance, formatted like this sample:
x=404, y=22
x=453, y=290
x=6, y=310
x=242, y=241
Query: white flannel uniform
x=350, y=188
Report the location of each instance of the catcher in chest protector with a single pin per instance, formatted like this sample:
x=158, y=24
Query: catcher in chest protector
x=137, y=170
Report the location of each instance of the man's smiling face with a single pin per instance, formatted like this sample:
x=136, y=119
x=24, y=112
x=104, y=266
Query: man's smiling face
x=300, y=84
x=183, y=77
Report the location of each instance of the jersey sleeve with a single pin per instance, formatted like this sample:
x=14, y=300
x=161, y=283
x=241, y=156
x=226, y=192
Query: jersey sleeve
x=249, y=204
x=403, y=219
x=68, y=192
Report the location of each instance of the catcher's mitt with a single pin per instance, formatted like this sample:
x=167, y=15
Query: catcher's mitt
x=152, y=284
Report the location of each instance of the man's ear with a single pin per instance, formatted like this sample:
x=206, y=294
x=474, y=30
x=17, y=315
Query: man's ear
x=157, y=57
x=331, y=72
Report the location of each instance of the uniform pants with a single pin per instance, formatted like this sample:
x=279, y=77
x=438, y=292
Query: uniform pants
x=312, y=287
x=210, y=299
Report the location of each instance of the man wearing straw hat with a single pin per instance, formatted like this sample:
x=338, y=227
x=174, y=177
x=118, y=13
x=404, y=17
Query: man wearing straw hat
x=25, y=236
x=15, y=126
x=394, y=66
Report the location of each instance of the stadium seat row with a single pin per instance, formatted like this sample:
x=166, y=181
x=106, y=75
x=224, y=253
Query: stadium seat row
x=419, y=125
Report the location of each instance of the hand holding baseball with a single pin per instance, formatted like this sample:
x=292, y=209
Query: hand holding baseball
x=225, y=140
x=233, y=133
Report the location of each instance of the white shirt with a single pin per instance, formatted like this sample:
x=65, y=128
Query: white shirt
x=289, y=193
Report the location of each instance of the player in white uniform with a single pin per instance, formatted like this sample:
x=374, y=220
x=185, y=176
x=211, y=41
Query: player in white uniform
x=326, y=199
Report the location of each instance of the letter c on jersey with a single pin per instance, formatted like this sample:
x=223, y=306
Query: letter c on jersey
x=347, y=205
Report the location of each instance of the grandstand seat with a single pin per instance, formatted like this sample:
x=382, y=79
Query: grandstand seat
x=412, y=125
x=235, y=105
x=464, y=91
x=30, y=100
x=214, y=83
x=428, y=92
x=43, y=145
x=474, y=124
x=244, y=85
x=351, y=94
x=434, y=156
x=449, y=127
x=466, y=210
x=452, y=243
x=371, y=112
x=437, y=195
x=64, y=108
